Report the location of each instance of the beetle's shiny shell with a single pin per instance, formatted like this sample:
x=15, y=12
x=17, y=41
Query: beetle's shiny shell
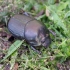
x=24, y=27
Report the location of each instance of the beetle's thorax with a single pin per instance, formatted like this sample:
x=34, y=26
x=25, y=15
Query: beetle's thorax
x=31, y=32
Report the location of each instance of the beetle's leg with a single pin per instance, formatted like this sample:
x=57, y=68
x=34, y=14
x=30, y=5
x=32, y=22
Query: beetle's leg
x=25, y=13
x=52, y=32
x=11, y=38
x=33, y=48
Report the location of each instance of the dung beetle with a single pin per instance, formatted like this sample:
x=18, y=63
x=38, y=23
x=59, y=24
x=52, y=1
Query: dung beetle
x=30, y=29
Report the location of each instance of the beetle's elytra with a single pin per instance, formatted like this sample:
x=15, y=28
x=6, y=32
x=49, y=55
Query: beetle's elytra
x=28, y=28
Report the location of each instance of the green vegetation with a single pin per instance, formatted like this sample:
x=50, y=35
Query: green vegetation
x=56, y=18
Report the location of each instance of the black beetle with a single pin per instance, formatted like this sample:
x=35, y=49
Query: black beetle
x=30, y=29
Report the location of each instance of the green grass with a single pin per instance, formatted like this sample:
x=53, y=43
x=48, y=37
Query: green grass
x=58, y=21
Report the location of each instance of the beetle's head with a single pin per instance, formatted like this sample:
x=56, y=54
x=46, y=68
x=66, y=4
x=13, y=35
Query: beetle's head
x=45, y=41
x=44, y=37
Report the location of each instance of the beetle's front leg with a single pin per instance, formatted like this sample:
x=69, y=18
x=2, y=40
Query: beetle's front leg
x=33, y=48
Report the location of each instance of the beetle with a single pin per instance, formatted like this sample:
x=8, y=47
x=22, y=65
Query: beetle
x=30, y=29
